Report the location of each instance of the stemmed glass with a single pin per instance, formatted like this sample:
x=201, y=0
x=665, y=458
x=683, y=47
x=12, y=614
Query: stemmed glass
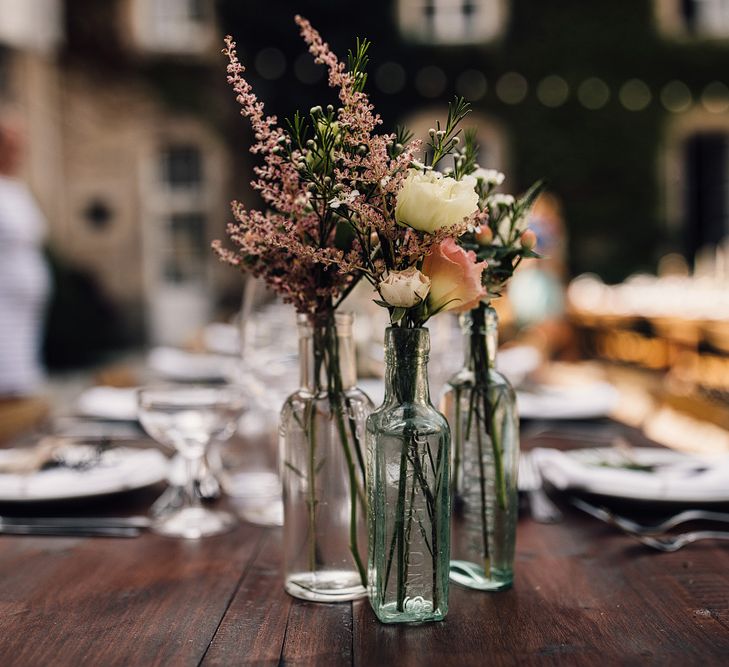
x=188, y=418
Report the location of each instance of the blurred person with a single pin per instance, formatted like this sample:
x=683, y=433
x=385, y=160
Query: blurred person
x=24, y=287
x=536, y=293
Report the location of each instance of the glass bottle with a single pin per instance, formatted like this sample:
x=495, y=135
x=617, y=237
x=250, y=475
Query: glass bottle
x=322, y=466
x=481, y=408
x=408, y=459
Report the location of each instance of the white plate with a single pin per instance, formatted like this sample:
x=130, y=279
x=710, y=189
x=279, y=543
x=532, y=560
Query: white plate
x=590, y=401
x=119, y=469
x=675, y=477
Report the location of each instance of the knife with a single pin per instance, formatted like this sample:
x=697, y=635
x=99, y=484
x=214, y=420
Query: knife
x=68, y=531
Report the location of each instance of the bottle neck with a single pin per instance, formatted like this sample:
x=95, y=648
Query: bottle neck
x=406, y=365
x=480, y=329
x=326, y=353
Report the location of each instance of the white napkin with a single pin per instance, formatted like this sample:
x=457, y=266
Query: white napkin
x=108, y=403
x=676, y=477
x=589, y=401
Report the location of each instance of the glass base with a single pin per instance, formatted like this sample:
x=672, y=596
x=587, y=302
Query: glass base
x=194, y=522
x=417, y=610
x=471, y=575
x=325, y=586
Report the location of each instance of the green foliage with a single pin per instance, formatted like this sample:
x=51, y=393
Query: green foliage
x=443, y=140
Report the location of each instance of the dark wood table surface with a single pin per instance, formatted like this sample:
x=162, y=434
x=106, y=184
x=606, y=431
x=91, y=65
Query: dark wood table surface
x=583, y=595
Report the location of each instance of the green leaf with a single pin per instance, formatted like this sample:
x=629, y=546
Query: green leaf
x=397, y=314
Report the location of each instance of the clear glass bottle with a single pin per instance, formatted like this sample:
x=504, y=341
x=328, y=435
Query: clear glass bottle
x=322, y=467
x=481, y=408
x=408, y=459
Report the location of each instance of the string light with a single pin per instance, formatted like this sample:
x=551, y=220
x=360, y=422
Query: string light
x=270, y=63
x=635, y=95
x=512, y=88
x=390, y=77
x=553, y=91
x=430, y=81
x=593, y=93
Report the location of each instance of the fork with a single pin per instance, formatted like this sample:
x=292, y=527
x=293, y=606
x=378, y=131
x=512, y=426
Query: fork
x=530, y=481
x=675, y=542
x=630, y=526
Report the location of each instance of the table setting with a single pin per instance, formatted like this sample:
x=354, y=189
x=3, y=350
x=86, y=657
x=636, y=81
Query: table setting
x=292, y=487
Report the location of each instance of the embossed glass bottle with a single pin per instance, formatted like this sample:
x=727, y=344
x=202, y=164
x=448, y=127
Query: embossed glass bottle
x=322, y=467
x=481, y=408
x=408, y=459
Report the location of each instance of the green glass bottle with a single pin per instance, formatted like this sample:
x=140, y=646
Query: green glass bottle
x=408, y=448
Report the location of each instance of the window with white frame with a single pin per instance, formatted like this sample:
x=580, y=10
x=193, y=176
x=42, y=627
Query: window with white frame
x=36, y=25
x=696, y=18
x=451, y=21
x=174, y=26
x=709, y=17
x=183, y=247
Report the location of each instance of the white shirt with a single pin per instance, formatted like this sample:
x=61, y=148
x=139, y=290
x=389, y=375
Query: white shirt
x=24, y=286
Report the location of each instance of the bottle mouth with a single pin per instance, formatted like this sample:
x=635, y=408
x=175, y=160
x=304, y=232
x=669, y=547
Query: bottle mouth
x=407, y=345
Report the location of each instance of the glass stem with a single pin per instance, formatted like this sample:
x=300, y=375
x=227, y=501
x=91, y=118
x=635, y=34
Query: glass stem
x=193, y=464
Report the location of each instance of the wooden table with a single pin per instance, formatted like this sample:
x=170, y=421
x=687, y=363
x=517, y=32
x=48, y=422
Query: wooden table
x=584, y=595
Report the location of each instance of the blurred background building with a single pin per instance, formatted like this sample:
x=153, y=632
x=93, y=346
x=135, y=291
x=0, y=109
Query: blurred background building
x=136, y=148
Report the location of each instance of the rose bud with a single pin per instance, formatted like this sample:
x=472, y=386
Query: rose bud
x=405, y=289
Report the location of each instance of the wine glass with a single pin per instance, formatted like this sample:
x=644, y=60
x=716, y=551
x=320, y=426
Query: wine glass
x=188, y=418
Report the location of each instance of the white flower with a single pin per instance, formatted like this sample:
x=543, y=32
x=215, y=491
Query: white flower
x=501, y=200
x=503, y=231
x=489, y=176
x=404, y=289
x=417, y=164
x=428, y=201
x=336, y=202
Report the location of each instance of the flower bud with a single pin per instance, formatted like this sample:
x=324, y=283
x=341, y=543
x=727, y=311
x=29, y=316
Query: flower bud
x=405, y=289
x=528, y=239
x=485, y=235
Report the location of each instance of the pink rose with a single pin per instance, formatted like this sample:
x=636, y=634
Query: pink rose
x=455, y=277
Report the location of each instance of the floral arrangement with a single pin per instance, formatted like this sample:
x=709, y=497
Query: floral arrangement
x=344, y=202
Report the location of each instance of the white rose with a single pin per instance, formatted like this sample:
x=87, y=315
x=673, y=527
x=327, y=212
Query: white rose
x=428, y=201
x=404, y=289
x=489, y=176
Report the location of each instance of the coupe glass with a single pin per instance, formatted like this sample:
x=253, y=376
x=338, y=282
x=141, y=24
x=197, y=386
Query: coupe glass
x=188, y=418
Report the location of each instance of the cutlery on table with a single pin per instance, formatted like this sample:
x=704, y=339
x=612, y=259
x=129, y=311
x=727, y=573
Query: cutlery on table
x=652, y=536
x=136, y=522
x=630, y=526
x=68, y=531
x=670, y=543
x=530, y=481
